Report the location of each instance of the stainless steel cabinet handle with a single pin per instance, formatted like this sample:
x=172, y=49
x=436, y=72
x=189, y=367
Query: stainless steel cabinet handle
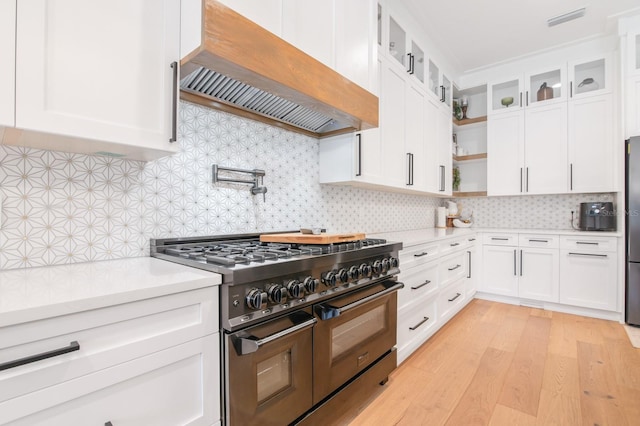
x=571, y=176
x=521, y=174
x=587, y=243
x=538, y=241
x=454, y=297
x=588, y=254
x=443, y=98
x=454, y=268
x=469, y=271
x=515, y=272
x=527, y=98
x=425, y=319
x=454, y=244
x=472, y=239
x=442, y=178
x=249, y=344
x=499, y=239
x=520, y=262
x=73, y=346
x=174, y=104
x=527, y=181
x=359, y=137
x=571, y=89
x=427, y=282
x=410, y=169
x=424, y=253
x=326, y=312
x=520, y=99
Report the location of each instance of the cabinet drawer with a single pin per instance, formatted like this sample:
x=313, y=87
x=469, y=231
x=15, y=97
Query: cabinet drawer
x=589, y=243
x=589, y=279
x=415, y=321
x=500, y=239
x=418, y=255
x=419, y=282
x=174, y=386
x=452, y=268
x=541, y=241
x=453, y=245
x=106, y=337
x=450, y=299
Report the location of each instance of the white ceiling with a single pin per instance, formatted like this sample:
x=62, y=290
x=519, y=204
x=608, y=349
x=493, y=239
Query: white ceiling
x=476, y=33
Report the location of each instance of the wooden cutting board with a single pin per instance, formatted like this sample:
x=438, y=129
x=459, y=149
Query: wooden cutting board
x=300, y=238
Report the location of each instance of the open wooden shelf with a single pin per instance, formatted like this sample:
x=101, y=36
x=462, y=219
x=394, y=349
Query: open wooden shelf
x=470, y=157
x=467, y=121
x=470, y=194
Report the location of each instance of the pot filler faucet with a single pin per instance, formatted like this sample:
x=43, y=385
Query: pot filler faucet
x=256, y=182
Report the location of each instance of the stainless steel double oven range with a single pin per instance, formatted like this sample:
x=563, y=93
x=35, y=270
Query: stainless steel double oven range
x=307, y=329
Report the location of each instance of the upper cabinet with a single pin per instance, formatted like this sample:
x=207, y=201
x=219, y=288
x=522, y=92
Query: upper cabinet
x=631, y=90
x=82, y=87
x=309, y=25
x=8, y=55
x=633, y=53
x=266, y=13
x=590, y=77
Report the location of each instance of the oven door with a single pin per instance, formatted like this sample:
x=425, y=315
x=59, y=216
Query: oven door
x=269, y=371
x=353, y=331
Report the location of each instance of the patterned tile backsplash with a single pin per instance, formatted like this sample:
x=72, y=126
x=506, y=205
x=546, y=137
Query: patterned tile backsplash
x=63, y=208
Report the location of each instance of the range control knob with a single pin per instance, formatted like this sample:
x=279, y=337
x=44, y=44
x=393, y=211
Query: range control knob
x=256, y=299
x=393, y=262
x=295, y=289
x=385, y=265
x=343, y=276
x=277, y=293
x=365, y=270
x=354, y=272
x=329, y=279
x=310, y=284
x=377, y=267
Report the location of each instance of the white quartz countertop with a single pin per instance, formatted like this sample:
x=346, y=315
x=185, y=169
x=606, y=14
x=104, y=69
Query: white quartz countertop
x=36, y=293
x=426, y=235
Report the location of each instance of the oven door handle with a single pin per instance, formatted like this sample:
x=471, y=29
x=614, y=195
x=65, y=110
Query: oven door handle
x=250, y=344
x=326, y=312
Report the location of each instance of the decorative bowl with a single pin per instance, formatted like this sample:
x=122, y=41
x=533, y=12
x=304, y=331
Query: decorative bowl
x=507, y=101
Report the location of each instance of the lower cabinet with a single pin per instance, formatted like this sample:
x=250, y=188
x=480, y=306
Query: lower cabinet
x=437, y=285
x=153, y=361
x=500, y=272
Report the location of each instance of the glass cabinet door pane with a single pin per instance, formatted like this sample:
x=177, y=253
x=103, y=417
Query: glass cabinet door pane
x=545, y=86
x=447, y=90
x=589, y=76
x=434, y=78
x=418, y=61
x=505, y=95
x=379, y=25
x=397, y=41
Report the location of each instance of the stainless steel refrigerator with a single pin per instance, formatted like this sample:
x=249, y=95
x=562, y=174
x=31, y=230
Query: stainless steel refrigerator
x=632, y=228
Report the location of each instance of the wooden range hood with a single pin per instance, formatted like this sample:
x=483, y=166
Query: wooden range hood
x=243, y=69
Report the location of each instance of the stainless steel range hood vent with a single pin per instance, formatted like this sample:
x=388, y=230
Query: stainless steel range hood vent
x=236, y=66
x=231, y=91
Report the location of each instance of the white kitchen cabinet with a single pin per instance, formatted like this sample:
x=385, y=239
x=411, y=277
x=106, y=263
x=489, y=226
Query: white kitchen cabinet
x=451, y=300
x=499, y=270
x=266, y=13
x=103, y=90
x=309, y=26
x=8, y=55
x=633, y=53
x=590, y=77
x=355, y=46
x=545, y=149
x=173, y=386
x=505, y=154
x=153, y=361
x=415, y=143
x=591, y=144
x=393, y=125
x=539, y=274
x=589, y=279
x=632, y=95
x=472, y=268
x=443, y=148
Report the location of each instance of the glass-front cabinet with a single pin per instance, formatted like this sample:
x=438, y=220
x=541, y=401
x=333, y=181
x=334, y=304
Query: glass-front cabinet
x=590, y=77
x=633, y=54
x=505, y=96
x=417, y=62
x=434, y=79
x=545, y=87
x=397, y=41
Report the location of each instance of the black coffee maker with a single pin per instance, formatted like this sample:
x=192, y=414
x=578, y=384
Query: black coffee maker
x=597, y=216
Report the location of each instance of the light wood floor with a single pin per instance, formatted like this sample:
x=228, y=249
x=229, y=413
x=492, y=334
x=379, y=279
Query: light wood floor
x=497, y=364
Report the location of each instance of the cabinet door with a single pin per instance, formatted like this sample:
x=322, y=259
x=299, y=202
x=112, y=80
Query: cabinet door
x=392, y=125
x=8, y=55
x=266, y=13
x=431, y=161
x=632, y=95
x=505, y=154
x=108, y=79
x=539, y=274
x=309, y=25
x=415, y=139
x=590, y=77
x=445, y=161
x=589, y=279
x=505, y=96
x=633, y=53
x=591, y=144
x=355, y=46
x=545, y=87
x=546, y=170
x=499, y=270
